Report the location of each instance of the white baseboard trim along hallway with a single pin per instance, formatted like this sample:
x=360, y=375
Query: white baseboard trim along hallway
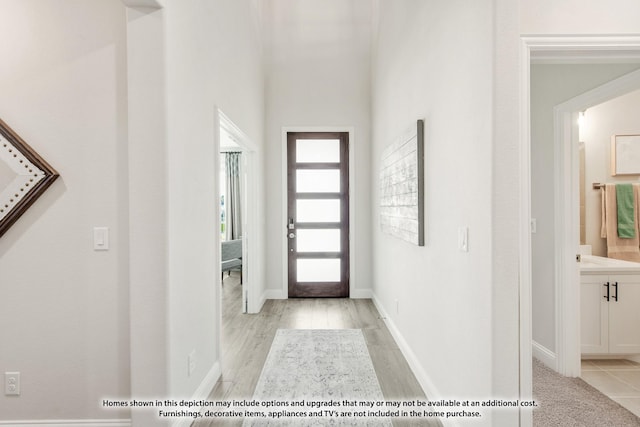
x=418, y=371
x=201, y=393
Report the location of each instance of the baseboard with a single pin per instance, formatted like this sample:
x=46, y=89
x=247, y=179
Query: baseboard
x=280, y=294
x=361, y=294
x=274, y=294
x=546, y=356
x=201, y=393
x=67, y=423
x=257, y=307
x=425, y=382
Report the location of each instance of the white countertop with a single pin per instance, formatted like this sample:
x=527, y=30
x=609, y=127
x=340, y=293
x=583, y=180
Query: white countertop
x=598, y=264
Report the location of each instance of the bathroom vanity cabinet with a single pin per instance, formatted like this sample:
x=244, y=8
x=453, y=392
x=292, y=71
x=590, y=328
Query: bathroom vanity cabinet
x=610, y=306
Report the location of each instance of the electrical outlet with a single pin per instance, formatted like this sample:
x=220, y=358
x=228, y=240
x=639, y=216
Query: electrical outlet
x=192, y=363
x=12, y=383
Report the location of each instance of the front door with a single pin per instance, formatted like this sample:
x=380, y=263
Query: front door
x=318, y=214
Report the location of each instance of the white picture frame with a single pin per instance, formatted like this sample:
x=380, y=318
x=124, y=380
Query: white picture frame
x=625, y=155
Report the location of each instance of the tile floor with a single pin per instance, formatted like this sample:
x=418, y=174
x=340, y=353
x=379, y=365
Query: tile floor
x=617, y=378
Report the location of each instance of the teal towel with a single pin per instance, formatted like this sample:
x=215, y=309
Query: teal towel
x=626, y=211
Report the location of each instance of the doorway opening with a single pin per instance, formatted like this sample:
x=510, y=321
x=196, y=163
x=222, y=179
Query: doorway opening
x=232, y=200
x=585, y=327
x=237, y=207
x=566, y=213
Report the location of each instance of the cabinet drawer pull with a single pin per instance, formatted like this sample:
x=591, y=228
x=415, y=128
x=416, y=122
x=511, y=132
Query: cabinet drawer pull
x=615, y=297
x=606, y=296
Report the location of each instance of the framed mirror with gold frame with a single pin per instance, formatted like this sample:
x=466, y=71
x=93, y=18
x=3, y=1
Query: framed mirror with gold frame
x=24, y=176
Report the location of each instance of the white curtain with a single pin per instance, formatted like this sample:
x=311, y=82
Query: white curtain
x=234, y=196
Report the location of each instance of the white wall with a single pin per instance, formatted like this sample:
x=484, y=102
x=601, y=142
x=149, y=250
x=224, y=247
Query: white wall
x=318, y=75
x=617, y=116
x=147, y=142
x=550, y=86
x=64, y=308
x=576, y=17
x=509, y=375
x=425, y=67
x=214, y=60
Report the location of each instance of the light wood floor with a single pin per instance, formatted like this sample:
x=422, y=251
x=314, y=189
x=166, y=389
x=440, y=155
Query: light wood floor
x=246, y=340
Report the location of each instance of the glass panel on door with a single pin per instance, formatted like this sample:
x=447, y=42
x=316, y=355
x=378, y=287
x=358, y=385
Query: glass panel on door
x=317, y=151
x=321, y=240
x=318, y=270
x=318, y=180
x=317, y=210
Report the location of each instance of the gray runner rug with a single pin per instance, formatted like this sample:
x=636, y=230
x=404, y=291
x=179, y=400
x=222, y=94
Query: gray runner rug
x=317, y=369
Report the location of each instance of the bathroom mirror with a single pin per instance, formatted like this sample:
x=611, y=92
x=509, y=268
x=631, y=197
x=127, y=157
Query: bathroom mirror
x=24, y=176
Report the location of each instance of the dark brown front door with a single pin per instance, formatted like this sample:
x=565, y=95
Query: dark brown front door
x=318, y=214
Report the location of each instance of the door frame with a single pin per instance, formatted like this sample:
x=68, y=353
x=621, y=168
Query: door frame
x=284, y=291
x=567, y=316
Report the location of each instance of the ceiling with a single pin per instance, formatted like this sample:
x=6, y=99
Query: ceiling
x=313, y=27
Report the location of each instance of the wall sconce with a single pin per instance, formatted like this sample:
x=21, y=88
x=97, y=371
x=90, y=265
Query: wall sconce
x=582, y=120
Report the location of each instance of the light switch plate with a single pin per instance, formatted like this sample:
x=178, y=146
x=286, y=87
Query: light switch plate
x=101, y=238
